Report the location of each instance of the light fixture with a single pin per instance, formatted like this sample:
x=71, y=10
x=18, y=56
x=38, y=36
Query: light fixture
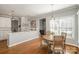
x=12, y=14
x=52, y=7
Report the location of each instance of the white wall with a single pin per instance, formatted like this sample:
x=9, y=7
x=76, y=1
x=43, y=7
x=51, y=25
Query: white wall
x=24, y=21
x=5, y=27
x=47, y=22
x=78, y=27
x=20, y=37
x=63, y=13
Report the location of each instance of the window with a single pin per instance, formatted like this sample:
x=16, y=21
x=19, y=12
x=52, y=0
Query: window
x=62, y=24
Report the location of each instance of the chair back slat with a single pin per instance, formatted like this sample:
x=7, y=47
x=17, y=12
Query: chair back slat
x=58, y=40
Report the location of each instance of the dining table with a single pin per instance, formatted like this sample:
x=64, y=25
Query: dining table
x=49, y=39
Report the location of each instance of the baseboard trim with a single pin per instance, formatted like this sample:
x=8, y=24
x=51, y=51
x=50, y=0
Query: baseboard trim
x=36, y=38
x=19, y=43
x=72, y=44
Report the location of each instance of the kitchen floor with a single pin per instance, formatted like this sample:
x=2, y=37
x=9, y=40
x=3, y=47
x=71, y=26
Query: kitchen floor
x=31, y=47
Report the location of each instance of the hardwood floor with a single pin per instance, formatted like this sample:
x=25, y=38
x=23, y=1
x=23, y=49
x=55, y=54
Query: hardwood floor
x=3, y=43
x=32, y=47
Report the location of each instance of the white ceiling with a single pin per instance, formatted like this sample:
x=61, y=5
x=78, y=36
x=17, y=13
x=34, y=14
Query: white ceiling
x=30, y=9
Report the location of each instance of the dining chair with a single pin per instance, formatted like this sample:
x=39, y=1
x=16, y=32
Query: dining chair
x=44, y=42
x=58, y=45
x=64, y=34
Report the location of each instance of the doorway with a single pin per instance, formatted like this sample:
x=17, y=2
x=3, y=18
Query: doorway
x=14, y=25
x=42, y=26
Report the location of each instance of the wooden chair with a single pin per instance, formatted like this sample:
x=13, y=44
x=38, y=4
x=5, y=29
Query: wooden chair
x=43, y=42
x=64, y=34
x=58, y=45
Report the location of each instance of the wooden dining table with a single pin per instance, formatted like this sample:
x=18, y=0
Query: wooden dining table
x=49, y=39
